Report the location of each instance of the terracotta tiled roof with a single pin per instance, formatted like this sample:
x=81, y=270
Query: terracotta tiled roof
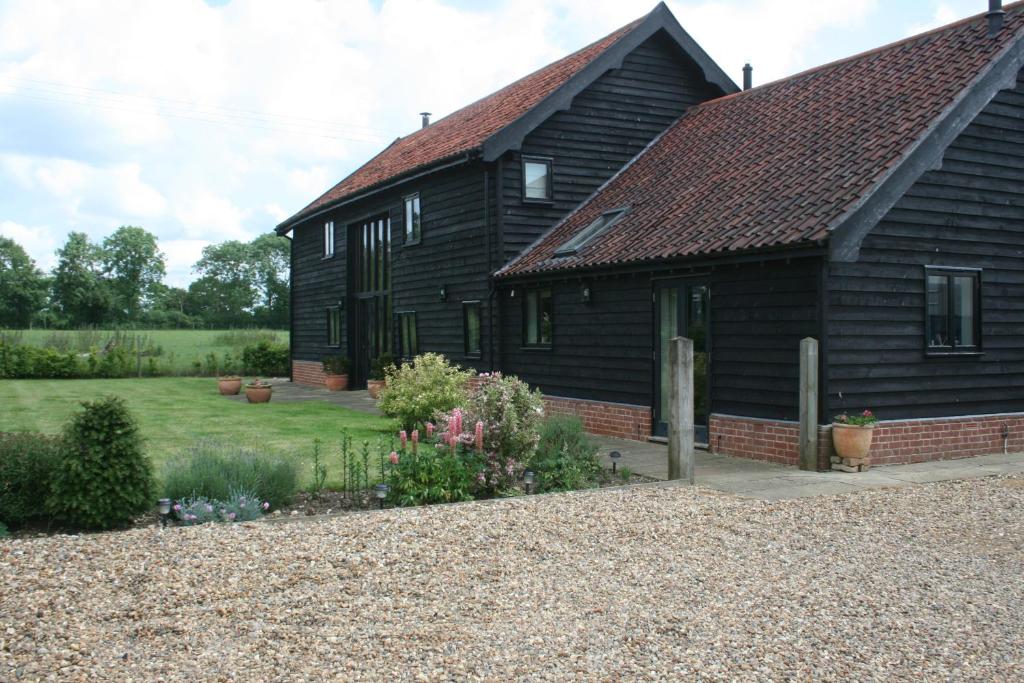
x=777, y=165
x=466, y=129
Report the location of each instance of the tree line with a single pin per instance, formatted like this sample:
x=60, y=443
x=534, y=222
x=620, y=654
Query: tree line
x=120, y=281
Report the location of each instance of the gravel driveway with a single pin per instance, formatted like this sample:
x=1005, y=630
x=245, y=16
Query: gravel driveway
x=923, y=583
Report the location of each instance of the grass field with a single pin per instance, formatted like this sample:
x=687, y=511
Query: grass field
x=179, y=349
x=175, y=411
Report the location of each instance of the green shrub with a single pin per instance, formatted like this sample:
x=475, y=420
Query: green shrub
x=3, y=530
x=266, y=359
x=382, y=365
x=27, y=466
x=566, y=458
x=433, y=475
x=417, y=391
x=245, y=337
x=335, y=365
x=241, y=506
x=104, y=479
x=213, y=470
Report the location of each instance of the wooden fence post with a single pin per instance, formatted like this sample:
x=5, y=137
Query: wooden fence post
x=809, y=404
x=680, y=412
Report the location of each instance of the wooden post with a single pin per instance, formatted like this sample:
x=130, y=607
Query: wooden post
x=680, y=411
x=138, y=355
x=809, y=404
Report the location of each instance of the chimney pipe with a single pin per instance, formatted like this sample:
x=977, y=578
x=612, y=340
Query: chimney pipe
x=748, y=76
x=995, y=17
x=425, y=118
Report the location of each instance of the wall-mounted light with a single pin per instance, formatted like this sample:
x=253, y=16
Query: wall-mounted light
x=444, y=293
x=585, y=293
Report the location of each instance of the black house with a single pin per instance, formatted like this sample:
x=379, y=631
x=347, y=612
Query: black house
x=565, y=227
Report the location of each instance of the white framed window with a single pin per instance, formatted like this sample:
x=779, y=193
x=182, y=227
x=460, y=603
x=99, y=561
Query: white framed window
x=537, y=179
x=328, y=239
x=413, y=221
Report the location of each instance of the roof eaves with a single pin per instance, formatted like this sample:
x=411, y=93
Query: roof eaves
x=848, y=231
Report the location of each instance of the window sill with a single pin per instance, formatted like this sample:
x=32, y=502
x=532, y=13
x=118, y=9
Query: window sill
x=954, y=354
x=472, y=356
x=542, y=202
x=327, y=258
x=535, y=347
x=412, y=243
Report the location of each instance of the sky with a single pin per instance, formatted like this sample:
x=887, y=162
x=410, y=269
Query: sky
x=208, y=121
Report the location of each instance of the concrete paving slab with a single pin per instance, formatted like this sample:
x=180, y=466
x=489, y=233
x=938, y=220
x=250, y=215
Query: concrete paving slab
x=766, y=481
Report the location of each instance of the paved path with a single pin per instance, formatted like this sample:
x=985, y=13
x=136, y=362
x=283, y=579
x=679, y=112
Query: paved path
x=765, y=481
x=290, y=391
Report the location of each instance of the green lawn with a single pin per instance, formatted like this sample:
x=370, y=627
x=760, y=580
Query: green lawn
x=175, y=411
x=179, y=349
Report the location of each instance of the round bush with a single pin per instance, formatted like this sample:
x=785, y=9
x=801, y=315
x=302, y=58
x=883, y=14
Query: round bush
x=104, y=479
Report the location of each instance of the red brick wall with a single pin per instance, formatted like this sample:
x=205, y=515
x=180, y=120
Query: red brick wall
x=905, y=441
x=606, y=419
x=775, y=441
x=896, y=442
x=308, y=372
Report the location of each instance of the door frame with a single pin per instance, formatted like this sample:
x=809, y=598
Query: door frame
x=682, y=307
x=357, y=321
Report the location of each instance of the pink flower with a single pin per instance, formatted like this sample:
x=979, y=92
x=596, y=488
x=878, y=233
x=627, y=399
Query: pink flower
x=266, y=505
x=455, y=422
x=479, y=437
x=481, y=477
x=430, y=429
x=415, y=439
x=393, y=458
x=866, y=413
x=177, y=507
x=403, y=438
x=231, y=516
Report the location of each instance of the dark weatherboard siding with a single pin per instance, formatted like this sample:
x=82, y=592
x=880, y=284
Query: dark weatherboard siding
x=603, y=350
x=968, y=214
x=607, y=125
x=452, y=252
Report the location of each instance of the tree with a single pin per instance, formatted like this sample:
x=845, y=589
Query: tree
x=135, y=266
x=80, y=292
x=271, y=257
x=22, y=286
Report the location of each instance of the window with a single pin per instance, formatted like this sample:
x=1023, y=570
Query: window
x=334, y=326
x=536, y=179
x=471, y=328
x=537, y=326
x=600, y=224
x=328, y=239
x=407, y=334
x=952, y=323
x=413, y=231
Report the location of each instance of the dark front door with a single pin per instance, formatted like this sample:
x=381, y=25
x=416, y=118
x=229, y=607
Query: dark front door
x=682, y=309
x=370, y=282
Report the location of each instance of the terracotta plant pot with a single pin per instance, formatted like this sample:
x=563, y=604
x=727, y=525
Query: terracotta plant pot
x=852, y=441
x=229, y=386
x=374, y=387
x=258, y=393
x=336, y=382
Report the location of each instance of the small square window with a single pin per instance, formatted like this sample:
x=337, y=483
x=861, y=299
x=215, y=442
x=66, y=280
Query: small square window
x=471, y=328
x=407, y=334
x=413, y=220
x=334, y=326
x=536, y=179
x=953, y=305
x=328, y=239
x=537, y=318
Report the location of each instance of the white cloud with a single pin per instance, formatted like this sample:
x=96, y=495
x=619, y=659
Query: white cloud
x=944, y=14
x=39, y=241
x=208, y=217
x=181, y=256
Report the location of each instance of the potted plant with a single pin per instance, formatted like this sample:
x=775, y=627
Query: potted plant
x=258, y=392
x=379, y=374
x=851, y=435
x=229, y=386
x=336, y=371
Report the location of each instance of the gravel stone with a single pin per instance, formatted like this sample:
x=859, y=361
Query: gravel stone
x=642, y=583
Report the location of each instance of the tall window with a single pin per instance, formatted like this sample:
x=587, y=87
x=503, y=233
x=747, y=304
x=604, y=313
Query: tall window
x=953, y=299
x=413, y=230
x=536, y=178
x=537, y=318
x=334, y=326
x=328, y=239
x=471, y=328
x=407, y=334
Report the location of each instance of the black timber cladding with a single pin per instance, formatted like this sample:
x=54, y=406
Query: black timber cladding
x=970, y=214
x=603, y=350
x=606, y=126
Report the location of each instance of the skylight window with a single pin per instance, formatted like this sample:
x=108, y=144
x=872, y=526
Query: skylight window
x=601, y=224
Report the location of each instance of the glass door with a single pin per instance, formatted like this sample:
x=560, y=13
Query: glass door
x=370, y=281
x=682, y=309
